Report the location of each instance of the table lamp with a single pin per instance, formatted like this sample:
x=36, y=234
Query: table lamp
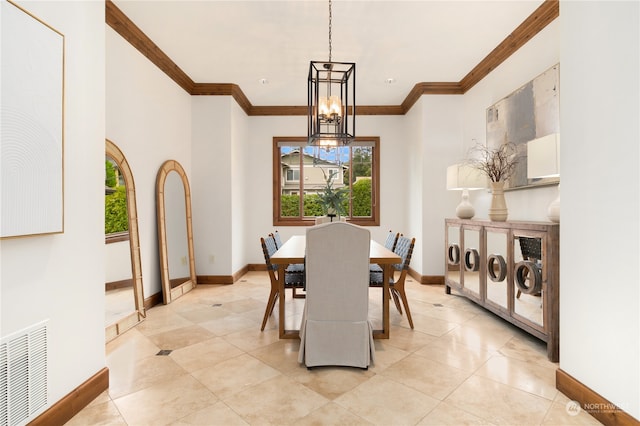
x=465, y=177
x=543, y=161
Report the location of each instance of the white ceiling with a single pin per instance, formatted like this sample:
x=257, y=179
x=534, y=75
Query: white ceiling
x=243, y=42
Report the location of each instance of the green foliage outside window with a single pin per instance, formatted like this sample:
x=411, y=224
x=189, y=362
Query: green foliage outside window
x=115, y=211
x=313, y=205
x=109, y=174
x=361, y=161
x=116, y=218
x=289, y=205
x=362, y=198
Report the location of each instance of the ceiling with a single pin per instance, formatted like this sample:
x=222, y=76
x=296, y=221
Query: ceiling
x=244, y=42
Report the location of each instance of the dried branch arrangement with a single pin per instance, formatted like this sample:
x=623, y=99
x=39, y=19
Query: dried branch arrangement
x=497, y=164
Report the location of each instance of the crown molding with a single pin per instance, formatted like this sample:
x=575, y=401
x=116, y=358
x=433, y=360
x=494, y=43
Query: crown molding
x=546, y=13
x=117, y=20
x=536, y=22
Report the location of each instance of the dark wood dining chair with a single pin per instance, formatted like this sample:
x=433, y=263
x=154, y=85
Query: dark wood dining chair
x=389, y=243
x=291, y=280
x=404, y=249
x=295, y=268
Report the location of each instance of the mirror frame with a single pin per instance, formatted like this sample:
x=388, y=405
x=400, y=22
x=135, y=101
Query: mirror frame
x=114, y=330
x=169, y=294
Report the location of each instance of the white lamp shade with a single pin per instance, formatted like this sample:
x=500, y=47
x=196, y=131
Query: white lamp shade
x=464, y=176
x=543, y=157
x=543, y=161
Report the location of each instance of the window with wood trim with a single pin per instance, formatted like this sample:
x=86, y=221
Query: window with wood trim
x=300, y=172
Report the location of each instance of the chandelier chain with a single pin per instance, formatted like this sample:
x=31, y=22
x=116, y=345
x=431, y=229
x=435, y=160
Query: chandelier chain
x=330, y=16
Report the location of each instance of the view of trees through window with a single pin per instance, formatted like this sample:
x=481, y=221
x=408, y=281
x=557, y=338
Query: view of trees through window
x=304, y=173
x=115, y=200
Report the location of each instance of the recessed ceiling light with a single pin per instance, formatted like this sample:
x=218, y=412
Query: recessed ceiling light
x=390, y=80
x=263, y=81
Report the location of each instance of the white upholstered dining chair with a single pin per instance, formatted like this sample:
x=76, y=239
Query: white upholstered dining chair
x=335, y=329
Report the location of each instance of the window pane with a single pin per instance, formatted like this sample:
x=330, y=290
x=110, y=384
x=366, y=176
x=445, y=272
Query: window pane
x=302, y=174
x=322, y=165
x=361, y=182
x=293, y=175
x=290, y=186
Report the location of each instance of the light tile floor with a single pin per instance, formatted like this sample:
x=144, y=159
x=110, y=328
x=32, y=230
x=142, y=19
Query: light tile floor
x=461, y=365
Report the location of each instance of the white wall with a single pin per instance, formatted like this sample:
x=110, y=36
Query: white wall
x=413, y=189
x=415, y=151
x=439, y=130
x=395, y=156
x=211, y=184
x=599, y=233
x=148, y=116
x=61, y=277
x=242, y=190
x=261, y=131
x=395, y=147
x=443, y=124
x=222, y=184
x=531, y=60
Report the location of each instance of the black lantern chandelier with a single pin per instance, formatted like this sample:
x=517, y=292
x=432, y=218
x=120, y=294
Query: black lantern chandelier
x=331, y=99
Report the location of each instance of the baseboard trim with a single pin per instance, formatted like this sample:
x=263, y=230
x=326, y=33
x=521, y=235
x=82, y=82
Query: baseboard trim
x=214, y=279
x=257, y=267
x=240, y=273
x=223, y=279
x=153, y=300
x=426, y=279
x=592, y=402
x=70, y=405
x=115, y=285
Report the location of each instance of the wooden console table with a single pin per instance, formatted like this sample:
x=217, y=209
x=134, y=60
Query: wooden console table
x=510, y=268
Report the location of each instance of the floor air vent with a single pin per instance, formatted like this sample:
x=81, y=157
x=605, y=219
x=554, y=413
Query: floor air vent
x=23, y=375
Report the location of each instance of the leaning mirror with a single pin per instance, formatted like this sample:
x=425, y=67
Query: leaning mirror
x=496, y=269
x=470, y=260
x=124, y=298
x=175, y=235
x=453, y=254
x=529, y=278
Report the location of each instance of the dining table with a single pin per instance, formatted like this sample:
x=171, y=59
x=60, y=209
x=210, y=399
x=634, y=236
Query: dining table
x=293, y=252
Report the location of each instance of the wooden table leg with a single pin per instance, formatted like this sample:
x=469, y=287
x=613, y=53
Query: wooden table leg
x=386, y=275
x=281, y=269
x=283, y=333
x=384, y=333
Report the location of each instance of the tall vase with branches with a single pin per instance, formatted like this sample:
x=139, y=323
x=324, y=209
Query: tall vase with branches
x=498, y=164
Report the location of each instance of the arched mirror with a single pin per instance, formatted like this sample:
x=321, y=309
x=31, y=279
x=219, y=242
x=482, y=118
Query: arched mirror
x=175, y=235
x=124, y=297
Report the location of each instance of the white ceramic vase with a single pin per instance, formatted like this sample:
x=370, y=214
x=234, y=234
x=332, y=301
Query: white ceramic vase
x=498, y=210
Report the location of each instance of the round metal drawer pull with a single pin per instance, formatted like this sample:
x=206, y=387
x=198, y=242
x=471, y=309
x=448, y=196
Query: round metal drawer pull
x=453, y=255
x=496, y=268
x=471, y=260
x=528, y=271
